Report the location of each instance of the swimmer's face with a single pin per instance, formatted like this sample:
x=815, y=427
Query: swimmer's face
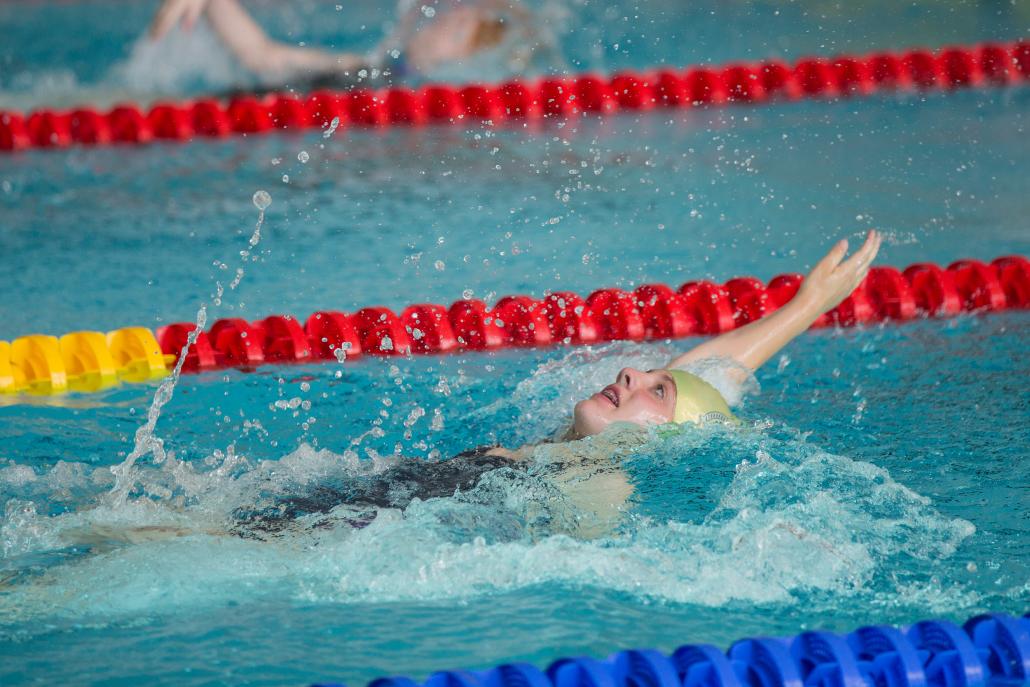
x=638, y=397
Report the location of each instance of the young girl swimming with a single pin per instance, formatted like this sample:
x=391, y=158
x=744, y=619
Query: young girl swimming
x=585, y=475
x=674, y=394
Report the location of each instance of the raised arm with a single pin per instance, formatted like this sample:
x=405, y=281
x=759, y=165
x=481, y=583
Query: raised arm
x=829, y=282
x=245, y=38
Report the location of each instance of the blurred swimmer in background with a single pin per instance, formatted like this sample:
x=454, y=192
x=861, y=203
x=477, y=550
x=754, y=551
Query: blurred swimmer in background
x=496, y=36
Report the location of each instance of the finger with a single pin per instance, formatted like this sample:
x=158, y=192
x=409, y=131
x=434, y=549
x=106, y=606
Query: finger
x=868, y=250
x=157, y=25
x=832, y=259
x=193, y=14
x=859, y=262
x=871, y=246
x=164, y=20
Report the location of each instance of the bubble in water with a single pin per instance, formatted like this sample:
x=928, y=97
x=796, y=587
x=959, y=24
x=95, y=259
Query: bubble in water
x=303, y=156
x=428, y=11
x=262, y=200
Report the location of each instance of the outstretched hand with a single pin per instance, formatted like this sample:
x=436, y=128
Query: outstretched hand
x=173, y=12
x=829, y=282
x=833, y=278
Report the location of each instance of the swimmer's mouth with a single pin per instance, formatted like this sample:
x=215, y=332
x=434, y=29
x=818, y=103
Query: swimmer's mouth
x=612, y=394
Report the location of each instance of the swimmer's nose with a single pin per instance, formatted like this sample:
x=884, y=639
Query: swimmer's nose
x=630, y=376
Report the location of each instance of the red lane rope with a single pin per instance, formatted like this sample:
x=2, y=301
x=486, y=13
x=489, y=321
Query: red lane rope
x=983, y=65
x=651, y=311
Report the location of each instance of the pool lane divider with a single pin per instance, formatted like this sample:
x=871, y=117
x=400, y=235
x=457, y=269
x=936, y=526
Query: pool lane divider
x=950, y=68
x=81, y=361
x=991, y=650
x=90, y=361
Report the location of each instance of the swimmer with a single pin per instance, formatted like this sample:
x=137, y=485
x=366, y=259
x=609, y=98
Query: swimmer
x=670, y=395
x=457, y=32
x=586, y=476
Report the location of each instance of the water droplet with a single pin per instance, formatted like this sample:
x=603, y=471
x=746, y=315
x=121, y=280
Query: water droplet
x=262, y=200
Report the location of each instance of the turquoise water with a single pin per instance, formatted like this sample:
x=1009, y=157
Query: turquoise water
x=880, y=476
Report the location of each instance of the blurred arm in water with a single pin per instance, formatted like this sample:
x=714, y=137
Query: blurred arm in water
x=456, y=33
x=248, y=41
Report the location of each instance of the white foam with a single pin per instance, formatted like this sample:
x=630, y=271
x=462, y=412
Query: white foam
x=793, y=520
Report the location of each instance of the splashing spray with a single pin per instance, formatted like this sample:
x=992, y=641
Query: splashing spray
x=146, y=441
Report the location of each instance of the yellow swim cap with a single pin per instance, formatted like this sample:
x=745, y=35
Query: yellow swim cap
x=698, y=401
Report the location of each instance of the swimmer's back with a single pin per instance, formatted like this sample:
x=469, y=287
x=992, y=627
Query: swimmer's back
x=395, y=487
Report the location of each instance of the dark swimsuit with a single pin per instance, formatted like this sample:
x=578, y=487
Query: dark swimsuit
x=395, y=487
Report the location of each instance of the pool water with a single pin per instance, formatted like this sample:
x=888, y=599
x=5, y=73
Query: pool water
x=880, y=475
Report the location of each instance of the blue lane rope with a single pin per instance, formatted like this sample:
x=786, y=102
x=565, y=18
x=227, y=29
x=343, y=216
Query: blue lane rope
x=991, y=650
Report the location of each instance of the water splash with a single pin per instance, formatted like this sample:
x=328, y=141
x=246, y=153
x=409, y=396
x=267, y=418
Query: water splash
x=789, y=520
x=261, y=201
x=146, y=442
x=707, y=516
x=333, y=126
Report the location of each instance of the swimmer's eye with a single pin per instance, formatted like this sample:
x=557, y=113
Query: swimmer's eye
x=660, y=391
